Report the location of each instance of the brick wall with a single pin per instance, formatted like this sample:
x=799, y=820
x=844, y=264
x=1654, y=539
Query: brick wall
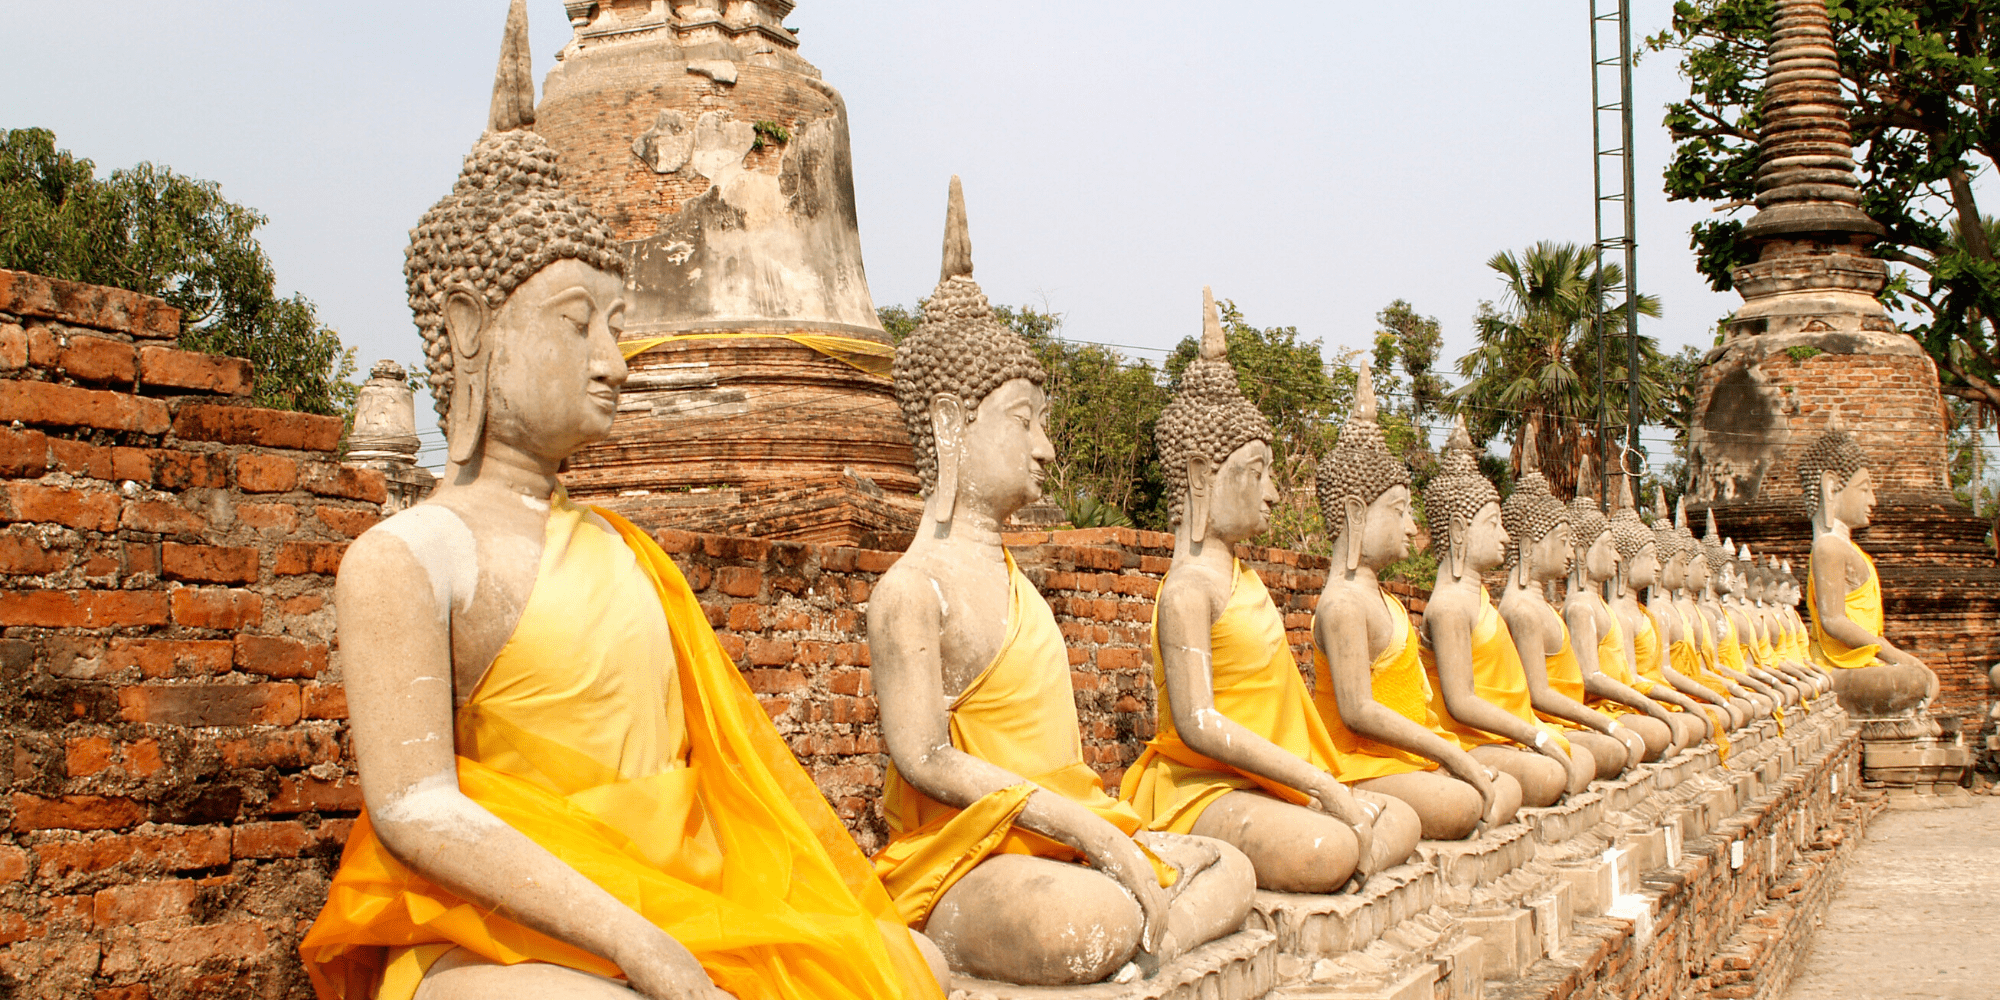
x=179, y=786
x=793, y=615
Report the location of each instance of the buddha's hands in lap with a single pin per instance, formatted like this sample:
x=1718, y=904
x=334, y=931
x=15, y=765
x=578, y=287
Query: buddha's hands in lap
x=661, y=968
x=1189, y=856
x=1489, y=800
x=1119, y=856
x=1337, y=801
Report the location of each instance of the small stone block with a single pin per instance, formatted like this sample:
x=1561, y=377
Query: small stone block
x=1462, y=971
x=1591, y=886
x=1419, y=983
x=1508, y=938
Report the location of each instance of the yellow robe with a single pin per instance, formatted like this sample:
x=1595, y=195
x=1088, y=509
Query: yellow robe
x=658, y=777
x=1018, y=714
x=1685, y=657
x=1399, y=684
x=1730, y=652
x=1611, y=663
x=1565, y=678
x=1257, y=685
x=1864, y=608
x=1497, y=677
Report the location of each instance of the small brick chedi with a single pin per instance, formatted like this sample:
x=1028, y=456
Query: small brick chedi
x=760, y=402
x=1812, y=340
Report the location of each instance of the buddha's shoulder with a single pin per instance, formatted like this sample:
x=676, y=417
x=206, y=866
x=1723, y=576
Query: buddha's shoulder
x=441, y=535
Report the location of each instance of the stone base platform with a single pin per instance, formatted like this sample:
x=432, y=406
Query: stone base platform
x=1692, y=877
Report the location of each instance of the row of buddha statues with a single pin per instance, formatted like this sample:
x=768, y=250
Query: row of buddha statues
x=571, y=792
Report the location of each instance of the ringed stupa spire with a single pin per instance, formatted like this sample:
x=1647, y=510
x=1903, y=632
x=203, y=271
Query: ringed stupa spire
x=1805, y=174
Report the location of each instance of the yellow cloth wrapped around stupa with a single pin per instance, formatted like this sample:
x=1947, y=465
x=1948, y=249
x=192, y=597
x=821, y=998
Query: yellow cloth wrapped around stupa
x=1497, y=677
x=1018, y=714
x=1864, y=608
x=1399, y=684
x=1257, y=685
x=658, y=777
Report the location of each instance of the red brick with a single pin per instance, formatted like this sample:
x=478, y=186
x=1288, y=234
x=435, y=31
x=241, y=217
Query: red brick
x=347, y=521
x=161, y=517
x=871, y=561
x=95, y=306
x=51, y=405
x=323, y=701
x=182, y=851
x=171, y=657
x=210, y=704
x=80, y=509
x=188, y=470
x=74, y=812
x=23, y=454
x=28, y=557
x=136, y=991
x=13, y=347
x=143, y=901
x=739, y=581
x=256, y=426
x=13, y=864
x=80, y=458
x=82, y=608
x=142, y=758
x=298, y=558
x=133, y=464
x=775, y=681
x=96, y=359
x=282, y=517
x=217, y=607
x=309, y=794
x=770, y=652
x=1118, y=659
x=330, y=479
x=87, y=755
x=176, y=369
x=208, y=563
x=43, y=347
x=276, y=656
x=266, y=474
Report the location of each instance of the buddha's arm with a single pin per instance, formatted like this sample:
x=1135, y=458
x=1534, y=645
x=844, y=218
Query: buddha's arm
x=1450, y=626
x=396, y=655
x=1583, y=617
x=1341, y=634
x=1188, y=607
x=905, y=624
x=1528, y=624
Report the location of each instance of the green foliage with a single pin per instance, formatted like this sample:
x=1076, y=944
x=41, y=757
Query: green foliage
x=775, y=133
x=154, y=231
x=1801, y=353
x=1289, y=380
x=1087, y=511
x=899, y=321
x=1923, y=88
x=1535, y=363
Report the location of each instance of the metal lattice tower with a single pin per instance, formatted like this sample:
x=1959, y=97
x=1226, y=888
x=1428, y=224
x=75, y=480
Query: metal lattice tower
x=1611, y=120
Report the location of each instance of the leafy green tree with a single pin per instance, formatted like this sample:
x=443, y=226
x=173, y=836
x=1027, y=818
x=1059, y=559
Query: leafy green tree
x=1535, y=363
x=154, y=231
x=1303, y=397
x=1923, y=88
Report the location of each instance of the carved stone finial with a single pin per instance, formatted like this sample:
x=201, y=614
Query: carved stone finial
x=1364, y=390
x=514, y=81
x=1660, y=509
x=1587, y=485
x=957, y=237
x=1531, y=450
x=1713, y=536
x=1214, y=346
x=1681, y=512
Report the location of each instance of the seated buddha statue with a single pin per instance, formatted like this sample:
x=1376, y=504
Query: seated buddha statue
x=1681, y=662
x=570, y=791
x=1479, y=691
x=1726, y=657
x=1703, y=632
x=1760, y=646
x=1369, y=686
x=1796, y=638
x=1005, y=848
x=1539, y=526
x=1241, y=754
x=1643, y=641
x=1597, y=637
x=1873, y=677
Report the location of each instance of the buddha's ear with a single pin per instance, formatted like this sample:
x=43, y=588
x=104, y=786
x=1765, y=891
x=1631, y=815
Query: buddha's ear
x=1829, y=484
x=948, y=436
x=1357, y=529
x=465, y=319
x=1457, y=533
x=1201, y=478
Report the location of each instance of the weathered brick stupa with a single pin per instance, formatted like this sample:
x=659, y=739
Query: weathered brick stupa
x=1812, y=340
x=759, y=401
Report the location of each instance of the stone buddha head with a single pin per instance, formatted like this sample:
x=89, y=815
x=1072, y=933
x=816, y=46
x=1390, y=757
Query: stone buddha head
x=1364, y=491
x=1595, y=554
x=1638, y=550
x=1537, y=522
x=1464, y=509
x=1673, y=561
x=1695, y=577
x=1215, y=446
x=1835, y=480
x=518, y=291
x=971, y=394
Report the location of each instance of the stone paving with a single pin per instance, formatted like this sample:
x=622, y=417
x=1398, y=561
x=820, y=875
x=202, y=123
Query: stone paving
x=1915, y=918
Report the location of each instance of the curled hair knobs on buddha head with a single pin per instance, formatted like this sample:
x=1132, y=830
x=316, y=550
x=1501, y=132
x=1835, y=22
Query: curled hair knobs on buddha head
x=1833, y=451
x=1361, y=466
x=1205, y=422
x=1531, y=511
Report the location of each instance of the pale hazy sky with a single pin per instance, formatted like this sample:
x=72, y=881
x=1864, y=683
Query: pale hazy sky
x=1311, y=160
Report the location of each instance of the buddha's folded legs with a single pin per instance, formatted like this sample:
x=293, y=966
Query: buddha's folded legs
x=462, y=975
x=1607, y=755
x=1688, y=731
x=1658, y=735
x=1448, y=809
x=1292, y=848
x=1542, y=780
x=1887, y=690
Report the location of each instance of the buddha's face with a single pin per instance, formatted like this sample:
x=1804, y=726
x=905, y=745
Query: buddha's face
x=1600, y=560
x=1673, y=572
x=1725, y=580
x=1240, y=500
x=553, y=376
x=1697, y=574
x=1388, y=529
x=1006, y=445
x=1485, y=540
x=1643, y=570
x=1851, y=504
x=1753, y=590
x=1551, y=555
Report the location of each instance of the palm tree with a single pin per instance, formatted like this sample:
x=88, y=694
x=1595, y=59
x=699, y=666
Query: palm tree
x=1535, y=365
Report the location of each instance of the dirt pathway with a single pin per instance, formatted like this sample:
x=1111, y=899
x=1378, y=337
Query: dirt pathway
x=1919, y=914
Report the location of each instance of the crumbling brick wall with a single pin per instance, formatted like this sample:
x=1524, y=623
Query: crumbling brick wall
x=180, y=783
